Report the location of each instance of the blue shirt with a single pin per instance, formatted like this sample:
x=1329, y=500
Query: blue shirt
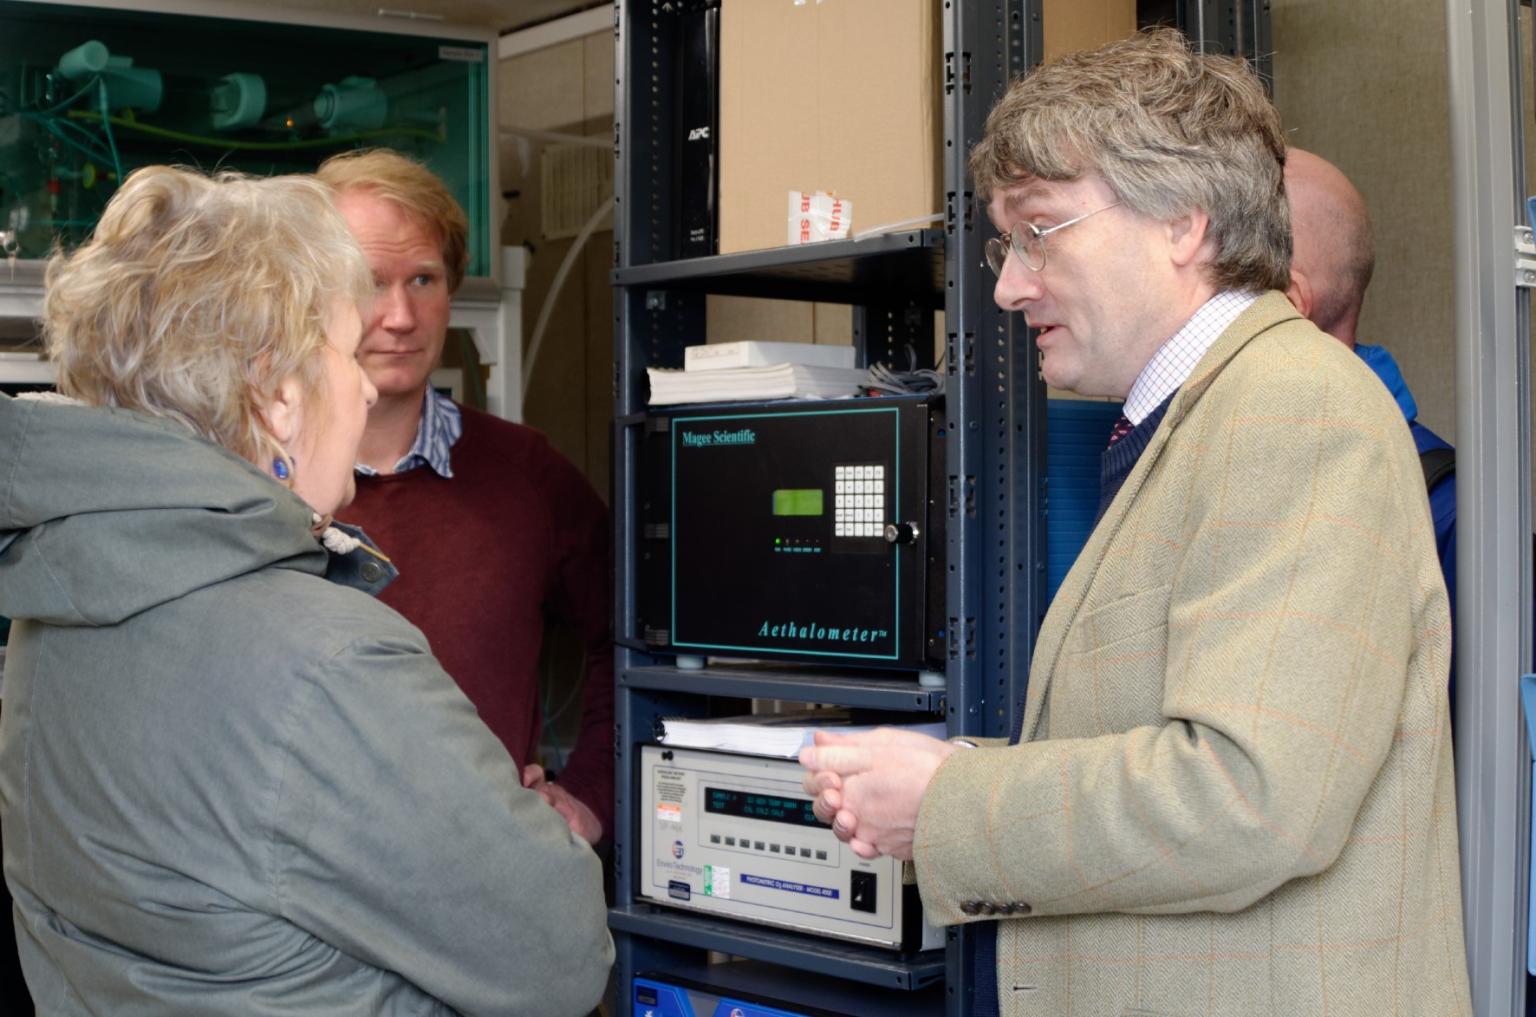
x=1442, y=500
x=441, y=425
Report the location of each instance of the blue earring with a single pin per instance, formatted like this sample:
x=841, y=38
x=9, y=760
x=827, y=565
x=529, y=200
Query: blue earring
x=279, y=468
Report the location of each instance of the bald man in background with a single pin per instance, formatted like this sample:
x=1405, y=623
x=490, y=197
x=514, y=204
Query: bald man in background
x=1333, y=256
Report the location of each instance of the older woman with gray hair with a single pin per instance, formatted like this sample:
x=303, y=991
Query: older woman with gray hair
x=229, y=783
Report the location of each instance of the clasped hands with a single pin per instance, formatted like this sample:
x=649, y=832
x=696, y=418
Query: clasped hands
x=582, y=821
x=869, y=786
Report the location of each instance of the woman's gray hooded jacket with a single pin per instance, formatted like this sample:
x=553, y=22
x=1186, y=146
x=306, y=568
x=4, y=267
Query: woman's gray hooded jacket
x=229, y=786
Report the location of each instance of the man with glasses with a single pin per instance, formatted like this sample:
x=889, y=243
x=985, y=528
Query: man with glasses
x=1229, y=790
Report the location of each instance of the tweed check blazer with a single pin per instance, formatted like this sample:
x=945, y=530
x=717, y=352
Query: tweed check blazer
x=1235, y=794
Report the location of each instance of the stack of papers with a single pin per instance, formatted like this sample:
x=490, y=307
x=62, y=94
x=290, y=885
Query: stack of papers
x=781, y=735
x=775, y=381
x=753, y=353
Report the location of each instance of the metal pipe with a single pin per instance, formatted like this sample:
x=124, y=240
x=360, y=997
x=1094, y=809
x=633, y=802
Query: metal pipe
x=1493, y=530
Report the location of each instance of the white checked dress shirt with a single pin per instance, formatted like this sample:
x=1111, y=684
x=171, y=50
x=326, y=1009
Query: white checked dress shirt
x=1175, y=360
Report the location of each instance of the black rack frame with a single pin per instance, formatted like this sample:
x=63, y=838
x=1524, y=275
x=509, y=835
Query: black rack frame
x=995, y=403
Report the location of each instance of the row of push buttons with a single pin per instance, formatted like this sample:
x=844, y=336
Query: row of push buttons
x=757, y=845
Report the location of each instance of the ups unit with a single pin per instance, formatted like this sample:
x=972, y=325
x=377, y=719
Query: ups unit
x=807, y=531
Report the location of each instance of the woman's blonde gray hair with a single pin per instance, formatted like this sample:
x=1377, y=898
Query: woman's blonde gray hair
x=1169, y=130
x=196, y=296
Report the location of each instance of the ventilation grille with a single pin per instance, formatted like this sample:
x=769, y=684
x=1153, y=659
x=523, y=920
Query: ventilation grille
x=574, y=179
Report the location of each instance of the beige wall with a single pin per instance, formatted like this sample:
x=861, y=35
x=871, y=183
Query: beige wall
x=567, y=89
x=1363, y=84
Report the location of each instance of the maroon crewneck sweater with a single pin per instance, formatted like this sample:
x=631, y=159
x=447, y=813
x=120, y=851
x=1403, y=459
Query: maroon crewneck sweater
x=516, y=535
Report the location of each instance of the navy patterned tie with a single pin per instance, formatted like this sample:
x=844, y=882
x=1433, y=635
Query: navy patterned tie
x=1120, y=430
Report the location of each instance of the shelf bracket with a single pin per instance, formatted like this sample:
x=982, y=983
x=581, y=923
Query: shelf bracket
x=1525, y=258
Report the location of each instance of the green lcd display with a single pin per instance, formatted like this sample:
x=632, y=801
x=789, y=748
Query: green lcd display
x=797, y=502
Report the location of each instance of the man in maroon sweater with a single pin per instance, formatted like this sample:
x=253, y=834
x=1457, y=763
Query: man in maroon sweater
x=492, y=529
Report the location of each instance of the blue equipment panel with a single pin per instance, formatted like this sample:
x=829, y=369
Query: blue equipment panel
x=1076, y=432
x=758, y=989
x=659, y=999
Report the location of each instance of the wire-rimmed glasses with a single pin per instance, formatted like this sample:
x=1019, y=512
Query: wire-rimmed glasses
x=1028, y=241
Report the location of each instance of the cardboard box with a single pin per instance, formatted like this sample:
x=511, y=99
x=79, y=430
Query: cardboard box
x=844, y=96
x=1071, y=25
x=839, y=96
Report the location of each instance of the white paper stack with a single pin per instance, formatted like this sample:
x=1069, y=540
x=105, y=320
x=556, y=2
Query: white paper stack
x=751, y=353
x=781, y=735
x=774, y=381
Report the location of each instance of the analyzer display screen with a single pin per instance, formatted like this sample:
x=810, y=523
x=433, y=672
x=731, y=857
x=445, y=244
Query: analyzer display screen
x=798, y=502
x=794, y=811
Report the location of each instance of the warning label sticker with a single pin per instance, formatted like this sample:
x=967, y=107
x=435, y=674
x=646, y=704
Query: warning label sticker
x=717, y=881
